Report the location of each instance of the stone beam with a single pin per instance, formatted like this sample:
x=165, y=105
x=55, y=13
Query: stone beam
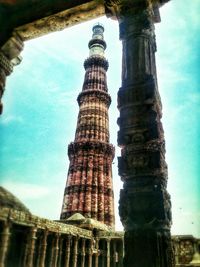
x=61, y=20
x=36, y=18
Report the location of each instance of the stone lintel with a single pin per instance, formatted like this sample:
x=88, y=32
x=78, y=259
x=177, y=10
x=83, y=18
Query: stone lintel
x=56, y=22
x=29, y=220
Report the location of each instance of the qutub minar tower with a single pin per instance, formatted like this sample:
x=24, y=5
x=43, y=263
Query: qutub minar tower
x=89, y=189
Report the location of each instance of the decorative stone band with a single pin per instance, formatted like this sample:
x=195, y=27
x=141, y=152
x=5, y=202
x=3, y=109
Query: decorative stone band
x=93, y=81
x=91, y=188
x=6, y=64
x=139, y=93
x=92, y=127
x=94, y=147
x=97, y=61
x=93, y=111
x=94, y=94
x=97, y=41
x=144, y=163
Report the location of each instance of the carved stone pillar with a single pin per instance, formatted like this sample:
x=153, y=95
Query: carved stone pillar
x=103, y=256
x=68, y=248
x=4, y=242
x=75, y=252
x=120, y=253
x=90, y=253
x=55, y=250
x=30, y=248
x=9, y=57
x=108, y=253
x=145, y=206
x=97, y=253
x=83, y=253
x=60, y=252
x=42, y=250
x=114, y=254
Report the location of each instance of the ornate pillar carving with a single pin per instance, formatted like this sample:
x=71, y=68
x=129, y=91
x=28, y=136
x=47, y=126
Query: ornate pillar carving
x=68, y=248
x=83, y=253
x=4, y=243
x=30, y=248
x=145, y=206
x=9, y=57
x=42, y=250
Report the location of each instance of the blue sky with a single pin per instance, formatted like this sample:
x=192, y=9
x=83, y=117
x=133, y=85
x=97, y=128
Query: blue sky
x=40, y=112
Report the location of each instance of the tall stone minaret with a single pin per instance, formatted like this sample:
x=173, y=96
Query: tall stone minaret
x=89, y=188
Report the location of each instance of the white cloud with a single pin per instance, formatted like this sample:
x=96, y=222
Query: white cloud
x=26, y=191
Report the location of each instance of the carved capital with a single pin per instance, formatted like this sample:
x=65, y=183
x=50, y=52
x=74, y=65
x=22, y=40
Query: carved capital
x=120, y=8
x=5, y=64
x=117, y=9
x=9, y=57
x=12, y=48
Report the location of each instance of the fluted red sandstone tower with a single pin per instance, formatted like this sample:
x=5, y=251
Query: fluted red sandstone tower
x=89, y=189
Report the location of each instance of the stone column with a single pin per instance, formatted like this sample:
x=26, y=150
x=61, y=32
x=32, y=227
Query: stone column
x=97, y=253
x=103, y=254
x=114, y=253
x=108, y=252
x=60, y=252
x=120, y=253
x=68, y=248
x=75, y=252
x=83, y=253
x=4, y=243
x=90, y=253
x=43, y=247
x=9, y=57
x=30, y=249
x=145, y=206
x=55, y=250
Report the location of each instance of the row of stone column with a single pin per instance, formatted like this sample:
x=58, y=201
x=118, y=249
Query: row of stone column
x=42, y=248
x=39, y=249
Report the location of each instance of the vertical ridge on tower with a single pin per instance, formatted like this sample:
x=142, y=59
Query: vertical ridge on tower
x=89, y=188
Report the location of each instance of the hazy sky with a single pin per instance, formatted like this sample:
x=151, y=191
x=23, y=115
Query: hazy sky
x=40, y=112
